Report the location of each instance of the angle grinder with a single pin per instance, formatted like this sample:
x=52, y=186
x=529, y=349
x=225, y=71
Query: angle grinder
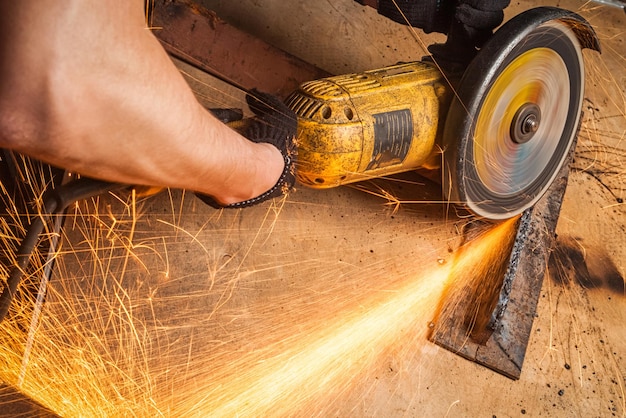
x=500, y=135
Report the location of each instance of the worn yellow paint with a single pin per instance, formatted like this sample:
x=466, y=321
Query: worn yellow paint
x=342, y=137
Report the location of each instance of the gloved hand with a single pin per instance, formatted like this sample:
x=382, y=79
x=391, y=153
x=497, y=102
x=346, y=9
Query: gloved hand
x=468, y=24
x=480, y=18
x=273, y=123
x=428, y=15
x=473, y=24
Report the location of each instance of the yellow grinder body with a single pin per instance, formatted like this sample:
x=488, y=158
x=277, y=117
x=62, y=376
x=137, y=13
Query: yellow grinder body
x=359, y=126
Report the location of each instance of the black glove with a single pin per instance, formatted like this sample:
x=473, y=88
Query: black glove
x=481, y=14
x=428, y=15
x=468, y=24
x=439, y=15
x=274, y=123
x=473, y=24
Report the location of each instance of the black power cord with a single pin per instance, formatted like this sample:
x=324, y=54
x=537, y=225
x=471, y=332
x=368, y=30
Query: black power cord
x=55, y=202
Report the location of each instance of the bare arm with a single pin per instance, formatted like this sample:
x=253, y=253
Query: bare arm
x=86, y=86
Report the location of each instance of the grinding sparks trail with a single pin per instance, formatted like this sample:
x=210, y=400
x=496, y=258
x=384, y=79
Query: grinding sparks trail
x=325, y=359
x=107, y=354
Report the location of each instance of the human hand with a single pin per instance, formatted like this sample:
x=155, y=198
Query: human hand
x=274, y=123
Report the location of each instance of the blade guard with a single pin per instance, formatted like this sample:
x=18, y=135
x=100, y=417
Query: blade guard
x=475, y=84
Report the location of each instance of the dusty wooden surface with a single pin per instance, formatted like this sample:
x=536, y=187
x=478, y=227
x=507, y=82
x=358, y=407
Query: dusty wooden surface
x=163, y=306
x=575, y=362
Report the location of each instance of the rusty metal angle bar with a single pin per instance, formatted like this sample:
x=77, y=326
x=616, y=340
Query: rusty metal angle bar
x=510, y=321
x=199, y=37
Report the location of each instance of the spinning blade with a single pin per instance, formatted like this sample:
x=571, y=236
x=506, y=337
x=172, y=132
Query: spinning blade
x=515, y=118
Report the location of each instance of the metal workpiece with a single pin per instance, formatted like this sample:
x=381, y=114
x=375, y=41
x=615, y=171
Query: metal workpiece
x=200, y=38
x=498, y=336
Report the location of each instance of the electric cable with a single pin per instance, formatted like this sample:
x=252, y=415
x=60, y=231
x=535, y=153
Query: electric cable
x=55, y=202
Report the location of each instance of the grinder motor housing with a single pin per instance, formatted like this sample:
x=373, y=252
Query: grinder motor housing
x=360, y=126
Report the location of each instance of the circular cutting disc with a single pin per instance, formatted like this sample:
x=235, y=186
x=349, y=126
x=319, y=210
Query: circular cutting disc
x=515, y=118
